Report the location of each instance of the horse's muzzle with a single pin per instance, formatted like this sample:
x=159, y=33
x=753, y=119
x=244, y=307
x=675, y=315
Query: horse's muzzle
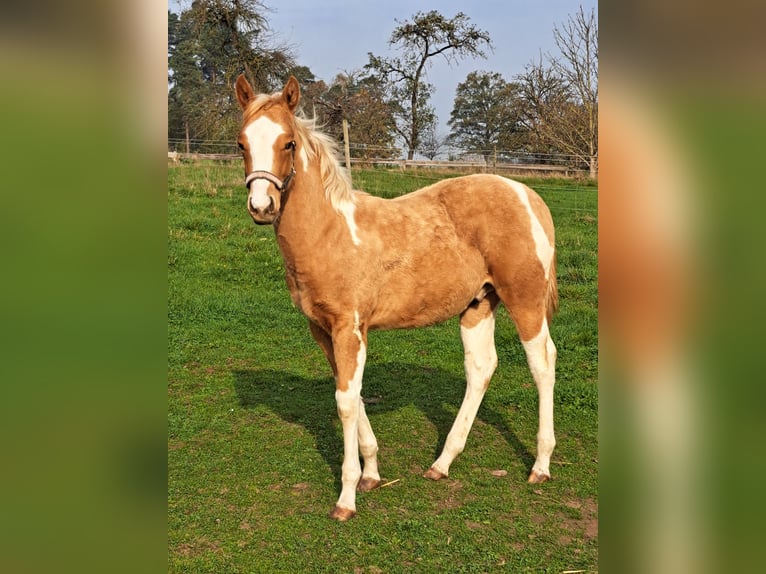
x=265, y=216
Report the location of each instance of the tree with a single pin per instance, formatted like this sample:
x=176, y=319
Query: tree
x=577, y=40
x=187, y=85
x=561, y=98
x=433, y=144
x=359, y=99
x=420, y=40
x=486, y=114
x=545, y=95
x=209, y=44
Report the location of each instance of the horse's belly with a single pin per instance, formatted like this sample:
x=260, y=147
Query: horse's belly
x=403, y=310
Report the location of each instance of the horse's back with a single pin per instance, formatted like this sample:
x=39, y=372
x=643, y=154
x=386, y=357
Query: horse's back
x=486, y=208
x=445, y=242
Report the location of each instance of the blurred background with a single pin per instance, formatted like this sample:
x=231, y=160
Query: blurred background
x=83, y=320
x=83, y=288
x=681, y=109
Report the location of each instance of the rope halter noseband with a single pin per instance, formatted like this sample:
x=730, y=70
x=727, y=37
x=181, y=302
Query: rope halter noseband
x=280, y=184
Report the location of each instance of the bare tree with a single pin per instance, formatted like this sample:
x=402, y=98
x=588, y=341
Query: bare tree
x=432, y=143
x=561, y=98
x=577, y=41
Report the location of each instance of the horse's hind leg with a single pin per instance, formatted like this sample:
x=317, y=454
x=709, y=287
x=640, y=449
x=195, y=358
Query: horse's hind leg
x=541, y=356
x=477, y=330
x=530, y=317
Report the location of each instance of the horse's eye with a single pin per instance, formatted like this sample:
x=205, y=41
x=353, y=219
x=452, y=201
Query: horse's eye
x=241, y=146
x=290, y=145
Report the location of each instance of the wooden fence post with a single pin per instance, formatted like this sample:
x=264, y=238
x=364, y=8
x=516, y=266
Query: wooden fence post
x=346, y=145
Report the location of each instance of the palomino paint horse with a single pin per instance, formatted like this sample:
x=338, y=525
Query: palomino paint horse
x=356, y=262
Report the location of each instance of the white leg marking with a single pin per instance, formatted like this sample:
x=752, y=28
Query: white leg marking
x=543, y=246
x=368, y=445
x=349, y=407
x=346, y=209
x=261, y=135
x=480, y=364
x=541, y=356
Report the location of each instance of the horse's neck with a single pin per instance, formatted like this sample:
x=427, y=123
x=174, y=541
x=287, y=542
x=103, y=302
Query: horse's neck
x=307, y=211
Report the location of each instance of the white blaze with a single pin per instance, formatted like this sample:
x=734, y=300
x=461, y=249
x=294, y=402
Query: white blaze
x=261, y=135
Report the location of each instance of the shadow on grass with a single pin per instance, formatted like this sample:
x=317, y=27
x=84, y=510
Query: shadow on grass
x=310, y=403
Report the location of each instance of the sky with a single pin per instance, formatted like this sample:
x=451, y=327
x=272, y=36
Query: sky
x=334, y=36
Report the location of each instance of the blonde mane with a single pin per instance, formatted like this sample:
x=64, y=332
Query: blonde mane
x=321, y=147
x=318, y=147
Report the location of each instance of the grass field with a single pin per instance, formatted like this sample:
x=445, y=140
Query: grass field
x=254, y=441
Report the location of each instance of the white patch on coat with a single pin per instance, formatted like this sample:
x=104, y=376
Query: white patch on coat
x=349, y=405
x=261, y=135
x=543, y=246
x=541, y=357
x=347, y=209
x=480, y=364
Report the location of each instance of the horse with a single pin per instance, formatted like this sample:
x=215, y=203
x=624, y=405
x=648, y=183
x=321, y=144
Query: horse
x=355, y=262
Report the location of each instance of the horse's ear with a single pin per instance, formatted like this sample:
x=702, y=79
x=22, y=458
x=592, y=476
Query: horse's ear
x=292, y=93
x=244, y=91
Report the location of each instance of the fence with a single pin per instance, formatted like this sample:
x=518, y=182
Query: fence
x=503, y=162
x=570, y=197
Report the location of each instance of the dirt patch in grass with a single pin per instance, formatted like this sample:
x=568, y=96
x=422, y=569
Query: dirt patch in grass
x=455, y=496
x=471, y=525
x=197, y=547
x=587, y=525
x=300, y=487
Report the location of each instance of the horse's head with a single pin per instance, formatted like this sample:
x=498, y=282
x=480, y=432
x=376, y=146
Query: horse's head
x=267, y=142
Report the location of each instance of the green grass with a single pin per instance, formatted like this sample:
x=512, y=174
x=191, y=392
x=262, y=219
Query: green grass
x=254, y=445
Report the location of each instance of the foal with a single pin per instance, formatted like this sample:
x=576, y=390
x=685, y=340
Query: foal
x=355, y=262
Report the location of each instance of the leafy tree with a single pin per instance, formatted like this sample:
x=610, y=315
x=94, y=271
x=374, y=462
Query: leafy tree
x=360, y=100
x=209, y=44
x=185, y=78
x=419, y=41
x=486, y=114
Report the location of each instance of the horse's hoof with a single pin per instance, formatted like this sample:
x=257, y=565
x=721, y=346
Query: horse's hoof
x=434, y=474
x=367, y=484
x=342, y=514
x=536, y=477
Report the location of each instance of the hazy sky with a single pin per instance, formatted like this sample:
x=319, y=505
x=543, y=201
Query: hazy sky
x=332, y=36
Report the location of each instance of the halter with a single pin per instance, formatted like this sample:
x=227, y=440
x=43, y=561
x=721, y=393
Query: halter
x=280, y=184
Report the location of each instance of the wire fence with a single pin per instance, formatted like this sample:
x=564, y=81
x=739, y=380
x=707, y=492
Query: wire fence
x=566, y=190
x=448, y=158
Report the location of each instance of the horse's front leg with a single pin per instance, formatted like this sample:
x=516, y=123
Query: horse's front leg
x=349, y=342
x=368, y=445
